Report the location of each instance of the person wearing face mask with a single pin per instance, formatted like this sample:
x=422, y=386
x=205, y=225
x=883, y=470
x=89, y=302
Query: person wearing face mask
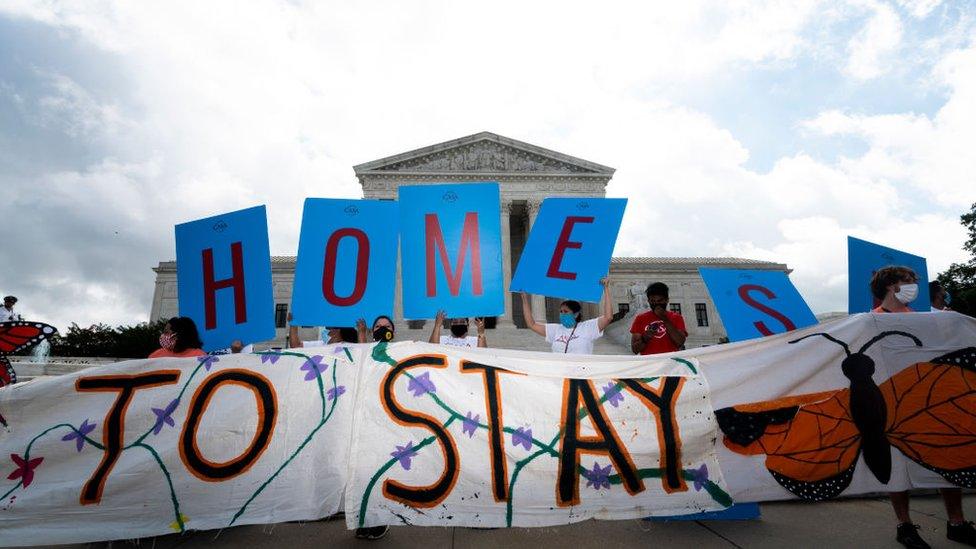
x=657, y=330
x=383, y=329
x=179, y=339
x=572, y=335
x=896, y=287
x=939, y=297
x=459, y=332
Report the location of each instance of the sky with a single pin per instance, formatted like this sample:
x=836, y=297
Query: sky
x=769, y=130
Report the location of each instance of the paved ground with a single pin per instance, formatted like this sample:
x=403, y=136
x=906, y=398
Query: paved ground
x=861, y=523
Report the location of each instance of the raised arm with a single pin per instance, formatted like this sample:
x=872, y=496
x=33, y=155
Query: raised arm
x=361, y=331
x=607, y=317
x=293, y=340
x=482, y=338
x=529, y=321
x=435, y=332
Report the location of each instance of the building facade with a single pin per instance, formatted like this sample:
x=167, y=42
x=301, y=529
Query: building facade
x=526, y=174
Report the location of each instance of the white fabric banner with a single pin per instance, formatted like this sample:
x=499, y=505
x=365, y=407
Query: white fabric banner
x=414, y=433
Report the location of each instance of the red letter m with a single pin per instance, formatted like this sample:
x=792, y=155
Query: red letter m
x=236, y=281
x=469, y=240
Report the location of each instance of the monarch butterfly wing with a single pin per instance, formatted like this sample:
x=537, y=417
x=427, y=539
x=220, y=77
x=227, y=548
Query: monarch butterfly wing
x=810, y=441
x=932, y=415
x=7, y=374
x=18, y=335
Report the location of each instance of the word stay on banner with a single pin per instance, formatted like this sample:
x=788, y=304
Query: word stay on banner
x=346, y=266
x=223, y=269
x=417, y=433
x=570, y=247
x=756, y=303
x=450, y=249
x=864, y=258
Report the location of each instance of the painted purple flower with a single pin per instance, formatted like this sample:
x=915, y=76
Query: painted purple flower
x=336, y=391
x=470, y=424
x=78, y=435
x=421, y=385
x=208, y=361
x=165, y=416
x=313, y=367
x=598, y=477
x=700, y=476
x=403, y=454
x=270, y=357
x=613, y=394
x=24, y=470
x=522, y=437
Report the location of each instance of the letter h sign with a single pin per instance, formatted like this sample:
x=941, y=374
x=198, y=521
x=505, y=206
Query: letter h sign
x=223, y=268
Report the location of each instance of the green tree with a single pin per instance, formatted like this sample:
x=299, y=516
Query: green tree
x=101, y=340
x=960, y=278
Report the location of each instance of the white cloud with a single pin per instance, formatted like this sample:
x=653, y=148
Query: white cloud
x=870, y=49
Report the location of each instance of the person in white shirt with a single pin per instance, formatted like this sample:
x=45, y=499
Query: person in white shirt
x=7, y=313
x=572, y=335
x=328, y=336
x=939, y=297
x=459, y=332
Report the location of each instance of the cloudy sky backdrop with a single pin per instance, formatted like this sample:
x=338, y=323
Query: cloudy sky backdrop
x=761, y=130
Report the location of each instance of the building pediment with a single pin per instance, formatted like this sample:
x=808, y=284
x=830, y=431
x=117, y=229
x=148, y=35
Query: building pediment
x=484, y=153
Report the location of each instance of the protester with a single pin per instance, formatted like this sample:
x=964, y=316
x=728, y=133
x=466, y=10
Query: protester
x=657, y=330
x=938, y=297
x=7, y=313
x=896, y=287
x=572, y=335
x=335, y=335
x=459, y=332
x=179, y=339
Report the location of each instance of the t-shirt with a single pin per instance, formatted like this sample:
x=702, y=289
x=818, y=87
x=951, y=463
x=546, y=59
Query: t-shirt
x=661, y=342
x=8, y=315
x=166, y=353
x=880, y=309
x=466, y=341
x=580, y=340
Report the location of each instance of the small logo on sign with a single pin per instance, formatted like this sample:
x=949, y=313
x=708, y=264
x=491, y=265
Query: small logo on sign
x=450, y=196
x=582, y=205
x=351, y=210
x=888, y=256
x=220, y=226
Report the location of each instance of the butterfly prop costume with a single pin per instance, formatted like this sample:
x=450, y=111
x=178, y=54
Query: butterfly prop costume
x=812, y=442
x=16, y=336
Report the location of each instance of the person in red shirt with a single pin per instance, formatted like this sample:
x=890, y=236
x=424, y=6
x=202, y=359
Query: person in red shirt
x=657, y=330
x=896, y=287
x=179, y=339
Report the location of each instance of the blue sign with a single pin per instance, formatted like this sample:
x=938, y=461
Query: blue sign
x=864, y=258
x=570, y=247
x=223, y=269
x=346, y=267
x=755, y=303
x=450, y=249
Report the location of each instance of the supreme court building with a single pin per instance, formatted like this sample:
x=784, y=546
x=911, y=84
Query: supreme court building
x=526, y=174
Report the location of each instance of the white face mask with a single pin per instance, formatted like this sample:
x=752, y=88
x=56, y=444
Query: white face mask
x=907, y=293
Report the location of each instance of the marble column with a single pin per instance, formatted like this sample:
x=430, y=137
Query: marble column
x=538, y=301
x=506, y=208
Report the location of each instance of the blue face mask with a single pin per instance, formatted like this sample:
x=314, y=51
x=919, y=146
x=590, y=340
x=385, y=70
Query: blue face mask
x=947, y=298
x=568, y=320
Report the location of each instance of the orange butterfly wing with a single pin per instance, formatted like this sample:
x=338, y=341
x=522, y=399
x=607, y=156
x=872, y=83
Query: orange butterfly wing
x=16, y=336
x=811, y=443
x=932, y=415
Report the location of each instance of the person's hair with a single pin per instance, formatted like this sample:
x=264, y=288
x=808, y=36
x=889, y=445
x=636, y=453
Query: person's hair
x=574, y=306
x=187, y=336
x=348, y=335
x=390, y=320
x=657, y=288
x=886, y=276
x=934, y=287
x=10, y=298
